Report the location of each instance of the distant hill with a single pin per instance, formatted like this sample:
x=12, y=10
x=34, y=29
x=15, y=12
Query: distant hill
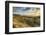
x=25, y=16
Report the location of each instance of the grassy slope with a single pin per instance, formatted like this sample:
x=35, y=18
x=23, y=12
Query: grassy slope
x=24, y=21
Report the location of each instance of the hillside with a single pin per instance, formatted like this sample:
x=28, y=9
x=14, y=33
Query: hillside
x=25, y=21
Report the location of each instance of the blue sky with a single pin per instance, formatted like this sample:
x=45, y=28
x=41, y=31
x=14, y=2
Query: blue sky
x=23, y=10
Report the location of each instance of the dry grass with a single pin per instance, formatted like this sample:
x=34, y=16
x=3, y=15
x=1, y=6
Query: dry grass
x=24, y=21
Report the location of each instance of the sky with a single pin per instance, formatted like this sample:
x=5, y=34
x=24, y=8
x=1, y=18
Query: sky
x=24, y=10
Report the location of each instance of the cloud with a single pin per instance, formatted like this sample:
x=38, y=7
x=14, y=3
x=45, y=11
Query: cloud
x=26, y=11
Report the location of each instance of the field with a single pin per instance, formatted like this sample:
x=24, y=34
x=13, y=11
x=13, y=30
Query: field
x=25, y=21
